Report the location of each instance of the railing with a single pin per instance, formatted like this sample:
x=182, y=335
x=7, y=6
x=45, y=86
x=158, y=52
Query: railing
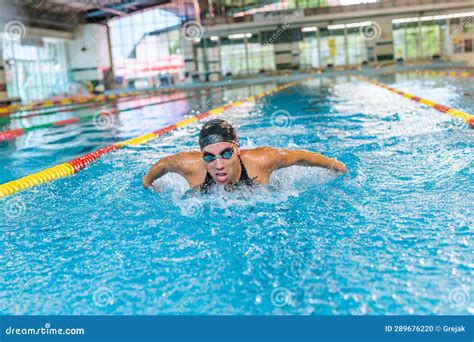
x=385, y=4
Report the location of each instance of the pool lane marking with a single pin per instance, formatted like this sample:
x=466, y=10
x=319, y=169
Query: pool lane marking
x=12, y=109
x=73, y=166
x=15, y=108
x=15, y=133
x=78, y=99
x=464, y=74
x=439, y=107
x=64, y=109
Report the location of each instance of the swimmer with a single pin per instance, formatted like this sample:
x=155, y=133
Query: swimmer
x=221, y=162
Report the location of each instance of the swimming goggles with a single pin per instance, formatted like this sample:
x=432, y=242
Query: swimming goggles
x=226, y=154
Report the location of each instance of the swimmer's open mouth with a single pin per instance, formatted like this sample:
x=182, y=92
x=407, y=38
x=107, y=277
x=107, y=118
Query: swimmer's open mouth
x=221, y=177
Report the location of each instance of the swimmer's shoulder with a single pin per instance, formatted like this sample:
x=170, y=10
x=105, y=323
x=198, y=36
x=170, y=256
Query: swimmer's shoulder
x=259, y=154
x=189, y=163
x=260, y=159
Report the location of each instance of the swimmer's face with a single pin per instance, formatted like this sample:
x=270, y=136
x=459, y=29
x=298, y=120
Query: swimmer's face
x=222, y=170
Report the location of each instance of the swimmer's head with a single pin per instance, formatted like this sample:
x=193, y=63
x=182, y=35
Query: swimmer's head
x=215, y=131
x=220, y=150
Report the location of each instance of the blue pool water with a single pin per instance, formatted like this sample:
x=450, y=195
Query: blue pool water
x=393, y=236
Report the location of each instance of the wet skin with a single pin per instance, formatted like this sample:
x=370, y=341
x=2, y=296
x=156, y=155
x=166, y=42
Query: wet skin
x=260, y=163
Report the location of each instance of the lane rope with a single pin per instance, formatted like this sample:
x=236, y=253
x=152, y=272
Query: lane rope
x=15, y=133
x=468, y=118
x=465, y=74
x=79, y=99
x=73, y=166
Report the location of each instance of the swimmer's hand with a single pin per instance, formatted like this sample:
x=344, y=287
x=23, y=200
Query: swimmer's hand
x=149, y=185
x=339, y=167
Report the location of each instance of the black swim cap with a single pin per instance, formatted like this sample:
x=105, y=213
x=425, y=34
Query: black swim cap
x=215, y=131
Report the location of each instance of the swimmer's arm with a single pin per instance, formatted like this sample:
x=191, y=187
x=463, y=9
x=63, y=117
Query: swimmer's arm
x=182, y=163
x=283, y=158
x=161, y=168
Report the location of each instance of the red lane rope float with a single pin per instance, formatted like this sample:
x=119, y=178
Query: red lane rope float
x=439, y=107
x=13, y=134
x=66, y=101
x=65, y=109
x=13, y=108
x=439, y=73
x=73, y=166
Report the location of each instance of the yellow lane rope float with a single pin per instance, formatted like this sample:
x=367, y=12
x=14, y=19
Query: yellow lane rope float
x=439, y=107
x=465, y=74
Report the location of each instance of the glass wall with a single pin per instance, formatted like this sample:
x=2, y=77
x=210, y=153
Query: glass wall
x=356, y=46
x=420, y=39
x=235, y=56
x=308, y=46
x=35, y=68
x=147, y=44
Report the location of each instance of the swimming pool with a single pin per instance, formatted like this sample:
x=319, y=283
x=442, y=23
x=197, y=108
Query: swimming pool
x=393, y=236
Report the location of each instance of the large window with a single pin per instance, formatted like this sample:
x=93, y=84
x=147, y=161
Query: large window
x=36, y=68
x=246, y=56
x=421, y=39
x=356, y=46
x=332, y=47
x=147, y=44
x=309, y=56
x=234, y=57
